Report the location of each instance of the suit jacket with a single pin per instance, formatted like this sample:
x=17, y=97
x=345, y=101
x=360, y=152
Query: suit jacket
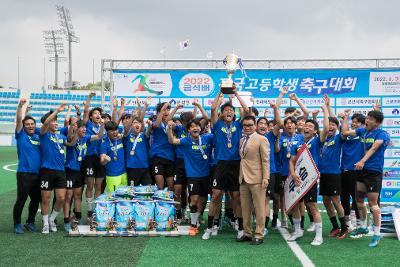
x=254, y=164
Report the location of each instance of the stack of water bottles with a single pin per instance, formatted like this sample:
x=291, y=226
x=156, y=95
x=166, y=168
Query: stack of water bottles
x=388, y=226
x=139, y=208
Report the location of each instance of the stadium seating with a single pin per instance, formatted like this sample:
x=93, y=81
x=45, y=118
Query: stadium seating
x=8, y=105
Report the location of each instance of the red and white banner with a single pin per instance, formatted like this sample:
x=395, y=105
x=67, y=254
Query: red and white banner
x=309, y=174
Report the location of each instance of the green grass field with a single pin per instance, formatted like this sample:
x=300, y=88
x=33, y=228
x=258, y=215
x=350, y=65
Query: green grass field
x=35, y=249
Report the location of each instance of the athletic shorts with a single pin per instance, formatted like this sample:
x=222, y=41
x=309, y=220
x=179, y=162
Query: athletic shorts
x=198, y=187
x=371, y=179
x=349, y=181
x=74, y=178
x=271, y=185
x=138, y=176
x=113, y=182
x=163, y=167
x=180, y=172
x=52, y=179
x=330, y=184
x=226, y=176
x=279, y=183
x=92, y=167
x=312, y=194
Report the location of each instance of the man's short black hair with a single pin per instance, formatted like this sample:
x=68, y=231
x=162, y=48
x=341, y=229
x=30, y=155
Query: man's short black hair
x=359, y=117
x=126, y=116
x=262, y=118
x=160, y=105
x=99, y=109
x=186, y=116
x=194, y=121
x=290, y=118
x=377, y=115
x=248, y=118
x=290, y=110
x=28, y=118
x=106, y=115
x=334, y=120
x=111, y=126
x=227, y=104
x=45, y=116
x=316, y=125
x=80, y=124
x=254, y=110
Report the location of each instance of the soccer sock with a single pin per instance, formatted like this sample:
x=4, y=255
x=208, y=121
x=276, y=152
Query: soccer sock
x=377, y=230
x=291, y=219
x=274, y=217
x=334, y=222
x=78, y=215
x=179, y=214
x=53, y=215
x=296, y=223
x=318, y=230
x=89, y=204
x=194, y=215
x=266, y=221
x=45, y=219
x=240, y=221
x=302, y=222
x=310, y=217
x=66, y=220
x=229, y=213
x=216, y=221
x=210, y=222
x=343, y=224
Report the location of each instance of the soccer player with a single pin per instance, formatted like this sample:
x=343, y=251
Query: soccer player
x=74, y=171
x=28, y=180
x=352, y=152
x=112, y=155
x=162, y=152
x=196, y=151
x=227, y=134
x=52, y=167
x=314, y=143
x=369, y=181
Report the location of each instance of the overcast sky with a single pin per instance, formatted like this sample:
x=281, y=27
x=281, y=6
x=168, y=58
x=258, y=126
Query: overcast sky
x=132, y=29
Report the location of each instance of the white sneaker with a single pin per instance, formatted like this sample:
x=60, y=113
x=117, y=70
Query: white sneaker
x=295, y=235
x=317, y=242
x=207, y=234
x=45, y=229
x=284, y=224
x=53, y=226
x=311, y=228
x=240, y=234
x=215, y=230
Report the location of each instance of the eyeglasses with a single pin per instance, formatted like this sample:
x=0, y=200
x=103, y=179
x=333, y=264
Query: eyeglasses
x=248, y=125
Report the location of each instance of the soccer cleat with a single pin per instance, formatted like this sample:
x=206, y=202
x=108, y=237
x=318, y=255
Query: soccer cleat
x=67, y=227
x=45, y=229
x=317, y=242
x=295, y=235
x=359, y=232
x=375, y=241
x=334, y=232
x=311, y=228
x=265, y=232
x=18, y=229
x=207, y=234
x=342, y=234
x=215, y=230
x=240, y=234
x=52, y=226
x=193, y=230
x=31, y=227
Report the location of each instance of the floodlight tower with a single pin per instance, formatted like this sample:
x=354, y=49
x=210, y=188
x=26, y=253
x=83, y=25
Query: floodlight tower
x=68, y=29
x=54, y=46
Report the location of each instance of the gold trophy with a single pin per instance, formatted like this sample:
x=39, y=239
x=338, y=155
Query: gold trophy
x=231, y=63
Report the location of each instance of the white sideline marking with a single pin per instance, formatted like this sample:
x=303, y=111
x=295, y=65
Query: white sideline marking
x=304, y=259
x=6, y=167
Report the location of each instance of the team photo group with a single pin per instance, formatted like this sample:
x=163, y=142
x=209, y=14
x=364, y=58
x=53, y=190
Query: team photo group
x=229, y=165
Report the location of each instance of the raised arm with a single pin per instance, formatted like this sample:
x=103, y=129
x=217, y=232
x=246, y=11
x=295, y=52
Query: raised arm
x=325, y=131
x=45, y=125
x=283, y=91
x=277, y=118
x=87, y=107
x=216, y=103
x=121, y=109
x=171, y=137
x=67, y=116
x=246, y=110
x=114, y=114
x=72, y=135
x=19, y=124
x=204, y=114
x=303, y=108
x=142, y=113
x=172, y=113
x=160, y=115
x=345, y=125
x=328, y=105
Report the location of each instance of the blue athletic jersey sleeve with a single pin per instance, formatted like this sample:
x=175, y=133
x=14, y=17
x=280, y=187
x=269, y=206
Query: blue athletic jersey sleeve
x=76, y=151
x=330, y=155
x=195, y=165
x=160, y=146
x=93, y=146
x=271, y=138
x=376, y=161
x=63, y=130
x=116, y=166
x=51, y=146
x=352, y=152
x=222, y=151
x=286, y=144
x=180, y=133
x=140, y=158
x=28, y=151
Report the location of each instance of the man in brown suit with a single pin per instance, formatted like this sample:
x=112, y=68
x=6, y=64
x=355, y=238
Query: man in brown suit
x=253, y=178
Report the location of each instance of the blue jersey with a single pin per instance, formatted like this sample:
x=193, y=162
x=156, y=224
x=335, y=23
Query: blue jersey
x=314, y=145
x=140, y=157
x=52, y=148
x=77, y=152
x=226, y=136
x=28, y=150
x=352, y=152
x=115, y=150
x=195, y=165
x=180, y=133
x=160, y=146
x=376, y=161
x=271, y=138
x=286, y=143
x=330, y=155
x=93, y=146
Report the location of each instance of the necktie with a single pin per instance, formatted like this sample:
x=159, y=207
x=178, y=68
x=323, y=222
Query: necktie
x=246, y=138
